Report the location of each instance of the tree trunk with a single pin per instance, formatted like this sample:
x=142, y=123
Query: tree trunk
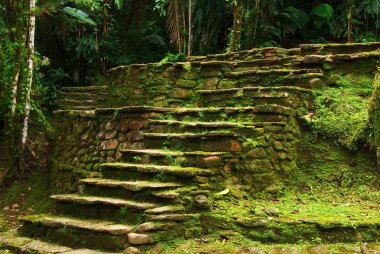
x=350, y=25
x=236, y=29
x=178, y=25
x=190, y=40
x=31, y=51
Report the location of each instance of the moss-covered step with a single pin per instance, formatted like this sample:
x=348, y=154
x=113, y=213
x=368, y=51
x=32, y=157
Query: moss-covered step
x=335, y=48
x=269, y=63
x=98, y=207
x=293, y=97
x=199, y=159
x=287, y=77
x=173, y=126
x=135, y=190
x=209, y=142
x=260, y=113
x=84, y=88
x=160, y=172
x=278, y=229
x=76, y=233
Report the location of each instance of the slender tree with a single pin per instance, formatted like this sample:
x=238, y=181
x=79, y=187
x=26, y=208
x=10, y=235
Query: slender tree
x=30, y=61
x=190, y=40
x=235, y=40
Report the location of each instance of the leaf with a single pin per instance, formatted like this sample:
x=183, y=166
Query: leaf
x=324, y=10
x=80, y=15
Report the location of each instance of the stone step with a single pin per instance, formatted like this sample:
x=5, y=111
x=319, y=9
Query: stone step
x=209, y=142
x=260, y=113
x=92, y=200
x=137, y=190
x=119, y=210
x=79, y=233
x=118, y=169
x=268, y=63
x=166, y=209
x=171, y=217
x=286, y=77
x=153, y=226
x=50, y=221
x=293, y=97
x=166, y=157
x=264, y=72
x=334, y=48
x=246, y=129
x=84, y=88
x=81, y=107
x=135, y=186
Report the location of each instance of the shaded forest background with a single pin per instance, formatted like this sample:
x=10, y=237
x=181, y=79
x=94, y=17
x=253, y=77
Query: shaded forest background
x=77, y=41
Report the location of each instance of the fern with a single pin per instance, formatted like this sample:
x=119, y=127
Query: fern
x=324, y=11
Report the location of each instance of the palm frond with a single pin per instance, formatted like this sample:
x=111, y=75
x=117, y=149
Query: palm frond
x=79, y=15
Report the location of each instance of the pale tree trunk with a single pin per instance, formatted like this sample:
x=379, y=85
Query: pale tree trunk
x=190, y=40
x=32, y=32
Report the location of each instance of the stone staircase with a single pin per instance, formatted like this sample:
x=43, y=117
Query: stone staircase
x=164, y=188
x=84, y=98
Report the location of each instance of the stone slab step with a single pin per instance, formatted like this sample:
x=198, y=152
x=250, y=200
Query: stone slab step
x=74, y=223
x=171, y=217
x=237, y=74
x=12, y=243
x=146, y=168
x=81, y=107
x=166, y=209
x=155, y=226
x=84, y=88
x=129, y=185
x=335, y=48
x=163, y=153
x=209, y=142
x=210, y=135
x=220, y=124
x=258, y=88
x=92, y=200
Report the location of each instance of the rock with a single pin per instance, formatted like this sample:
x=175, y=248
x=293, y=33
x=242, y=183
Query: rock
x=348, y=250
x=316, y=83
x=109, y=145
x=252, y=223
x=151, y=226
x=272, y=189
x=271, y=211
x=131, y=250
x=179, y=93
x=257, y=153
x=136, y=125
x=135, y=135
x=139, y=239
x=283, y=251
x=110, y=159
x=212, y=161
x=110, y=126
x=316, y=250
x=101, y=135
x=124, y=146
x=201, y=202
x=110, y=134
x=121, y=137
x=250, y=250
x=313, y=59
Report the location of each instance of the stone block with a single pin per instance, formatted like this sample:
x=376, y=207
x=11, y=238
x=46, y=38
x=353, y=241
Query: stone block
x=137, y=125
x=135, y=135
x=109, y=145
x=179, y=93
x=110, y=134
